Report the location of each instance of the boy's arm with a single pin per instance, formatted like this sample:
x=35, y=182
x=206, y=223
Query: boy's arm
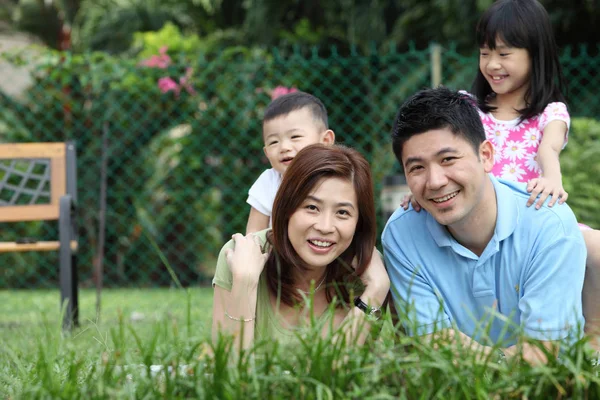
x=257, y=221
x=550, y=181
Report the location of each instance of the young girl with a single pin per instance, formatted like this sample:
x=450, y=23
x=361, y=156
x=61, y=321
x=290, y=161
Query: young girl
x=518, y=89
x=519, y=93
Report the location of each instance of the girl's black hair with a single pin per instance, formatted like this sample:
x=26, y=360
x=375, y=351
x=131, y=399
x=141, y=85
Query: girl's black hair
x=523, y=24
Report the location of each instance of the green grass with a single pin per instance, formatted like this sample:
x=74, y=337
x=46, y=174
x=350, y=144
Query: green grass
x=27, y=314
x=118, y=357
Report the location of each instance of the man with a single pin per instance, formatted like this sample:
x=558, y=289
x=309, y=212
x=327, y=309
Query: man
x=476, y=265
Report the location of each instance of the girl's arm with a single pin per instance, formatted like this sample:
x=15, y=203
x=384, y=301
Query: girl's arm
x=234, y=312
x=355, y=326
x=550, y=181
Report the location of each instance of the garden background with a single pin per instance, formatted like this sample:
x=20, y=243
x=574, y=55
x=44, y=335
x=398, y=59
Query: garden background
x=165, y=100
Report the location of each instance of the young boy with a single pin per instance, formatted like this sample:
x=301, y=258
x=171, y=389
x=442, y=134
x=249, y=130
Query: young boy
x=290, y=123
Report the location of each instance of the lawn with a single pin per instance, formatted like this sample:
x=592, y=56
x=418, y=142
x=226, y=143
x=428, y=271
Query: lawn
x=27, y=314
x=154, y=343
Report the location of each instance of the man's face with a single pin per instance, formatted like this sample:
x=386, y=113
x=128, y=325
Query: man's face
x=446, y=176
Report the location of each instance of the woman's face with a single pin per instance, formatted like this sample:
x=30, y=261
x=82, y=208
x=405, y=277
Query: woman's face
x=322, y=228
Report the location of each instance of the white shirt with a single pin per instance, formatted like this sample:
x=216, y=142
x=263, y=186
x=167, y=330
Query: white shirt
x=262, y=193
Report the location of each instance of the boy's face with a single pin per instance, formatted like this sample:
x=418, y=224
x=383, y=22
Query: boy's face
x=286, y=135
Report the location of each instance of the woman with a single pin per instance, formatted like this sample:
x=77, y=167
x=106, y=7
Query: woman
x=323, y=237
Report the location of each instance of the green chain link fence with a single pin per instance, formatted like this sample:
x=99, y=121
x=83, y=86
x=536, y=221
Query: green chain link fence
x=183, y=143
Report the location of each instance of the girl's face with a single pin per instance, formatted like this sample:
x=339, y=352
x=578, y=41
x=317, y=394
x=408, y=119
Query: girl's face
x=507, y=69
x=322, y=228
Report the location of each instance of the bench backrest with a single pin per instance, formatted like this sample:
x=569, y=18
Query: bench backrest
x=33, y=177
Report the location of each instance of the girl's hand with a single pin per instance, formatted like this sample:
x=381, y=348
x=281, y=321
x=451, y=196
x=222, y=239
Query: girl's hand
x=246, y=260
x=544, y=187
x=409, y=198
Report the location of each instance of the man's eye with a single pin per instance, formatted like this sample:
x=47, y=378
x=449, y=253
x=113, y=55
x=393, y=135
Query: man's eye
x=272, y=143
x=415, y=168
x=447, y=159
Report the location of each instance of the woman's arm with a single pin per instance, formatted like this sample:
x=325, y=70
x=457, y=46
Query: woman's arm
x=355, y=326
x=550, y=180
x=234, y=312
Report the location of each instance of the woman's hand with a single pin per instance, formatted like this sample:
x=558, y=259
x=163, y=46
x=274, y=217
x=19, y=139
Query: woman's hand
x=544, y=187
x=246, y=260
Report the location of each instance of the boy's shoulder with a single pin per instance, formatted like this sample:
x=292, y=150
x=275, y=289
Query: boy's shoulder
x=268, y=178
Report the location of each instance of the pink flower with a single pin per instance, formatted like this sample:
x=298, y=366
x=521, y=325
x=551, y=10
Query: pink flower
x=281, y=90
x=184, y=81
x=166, y=84
x=161, y=61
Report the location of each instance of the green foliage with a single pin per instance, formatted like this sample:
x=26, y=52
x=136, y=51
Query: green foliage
x=170, y=36
x=40, y=19
x=581, y=170
x=109, y=25
x=169, y=354
x=184, y=139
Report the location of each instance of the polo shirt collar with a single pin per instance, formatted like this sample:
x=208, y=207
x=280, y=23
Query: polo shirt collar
x=508, y=210
x=506, y=221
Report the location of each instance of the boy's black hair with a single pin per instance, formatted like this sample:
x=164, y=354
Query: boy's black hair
x=438, y=108
x=287, y=103
x=523, y=24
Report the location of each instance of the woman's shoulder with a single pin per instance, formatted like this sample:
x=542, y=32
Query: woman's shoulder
x=262, y=236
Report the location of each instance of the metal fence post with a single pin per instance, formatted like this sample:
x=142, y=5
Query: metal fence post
x=435, y=58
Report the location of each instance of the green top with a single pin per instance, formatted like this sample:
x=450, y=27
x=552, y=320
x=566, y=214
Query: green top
x=268, y=324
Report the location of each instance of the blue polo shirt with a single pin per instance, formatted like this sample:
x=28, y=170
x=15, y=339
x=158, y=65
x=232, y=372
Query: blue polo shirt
x=529, y=276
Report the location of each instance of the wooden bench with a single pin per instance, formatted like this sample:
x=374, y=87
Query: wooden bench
x=38, y=183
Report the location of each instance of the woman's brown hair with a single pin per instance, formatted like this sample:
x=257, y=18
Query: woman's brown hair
x=310, y=165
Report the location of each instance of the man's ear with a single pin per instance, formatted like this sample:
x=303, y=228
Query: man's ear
x=486, y=155
x=328, y=137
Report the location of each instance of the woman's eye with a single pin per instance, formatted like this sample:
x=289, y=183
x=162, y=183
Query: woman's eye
x=311, y=207
x=296, y=137
x=344, y=213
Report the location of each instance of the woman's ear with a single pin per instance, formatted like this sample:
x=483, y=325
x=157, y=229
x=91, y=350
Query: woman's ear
x=486, y=155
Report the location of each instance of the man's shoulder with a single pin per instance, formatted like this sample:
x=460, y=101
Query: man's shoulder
x=404, y=223
x=559, y=215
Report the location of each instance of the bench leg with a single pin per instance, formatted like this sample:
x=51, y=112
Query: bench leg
x=68, y=266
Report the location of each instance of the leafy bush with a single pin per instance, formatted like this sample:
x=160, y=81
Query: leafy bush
x=580, y=163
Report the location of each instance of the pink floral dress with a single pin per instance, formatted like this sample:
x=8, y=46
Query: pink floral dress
x=516, y=144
